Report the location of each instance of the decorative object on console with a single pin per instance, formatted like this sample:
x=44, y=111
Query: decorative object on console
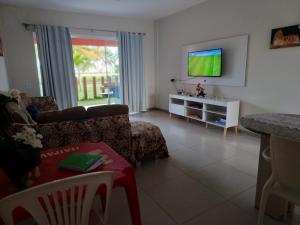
x=20, y=154
x=181, y=91
x=173, y=81
x=200, y=90
x=285, y=37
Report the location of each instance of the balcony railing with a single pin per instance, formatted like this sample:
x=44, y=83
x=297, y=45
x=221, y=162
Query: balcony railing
x=97, y=89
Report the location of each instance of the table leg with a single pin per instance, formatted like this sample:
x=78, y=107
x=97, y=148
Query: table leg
x=236, y=129
x=133, y=200
x=276, y=207
x=225, y=132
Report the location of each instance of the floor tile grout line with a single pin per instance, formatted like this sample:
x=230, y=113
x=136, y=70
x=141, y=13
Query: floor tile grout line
x=251, y=175
x=198, y=180
x=207, y=185
x=218, y=161
x=213, y=163
x=217, y=205
x=194, y=150
x=224, y=199
x=190, y=219
x=159, y=206
x=203, y=212
x=242, y=192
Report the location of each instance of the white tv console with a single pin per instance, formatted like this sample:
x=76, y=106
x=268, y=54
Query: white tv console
x=219, y=112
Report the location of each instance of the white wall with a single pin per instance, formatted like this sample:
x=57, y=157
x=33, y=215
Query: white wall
x=272, y=77
x=18, y=45
x=4, y=85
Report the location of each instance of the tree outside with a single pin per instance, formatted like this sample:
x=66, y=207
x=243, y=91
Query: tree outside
x=97, y=73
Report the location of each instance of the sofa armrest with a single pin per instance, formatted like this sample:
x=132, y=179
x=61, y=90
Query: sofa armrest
x=44, y=104
x=106, y=110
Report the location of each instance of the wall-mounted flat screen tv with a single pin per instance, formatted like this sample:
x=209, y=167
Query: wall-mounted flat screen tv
x=206, y=63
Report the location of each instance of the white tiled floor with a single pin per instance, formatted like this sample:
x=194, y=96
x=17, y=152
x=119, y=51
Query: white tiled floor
x=207, y=180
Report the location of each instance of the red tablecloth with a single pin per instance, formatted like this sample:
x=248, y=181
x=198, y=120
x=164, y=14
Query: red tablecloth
x=49, y=171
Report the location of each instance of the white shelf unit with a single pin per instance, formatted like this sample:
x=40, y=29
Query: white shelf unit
x=219, y=112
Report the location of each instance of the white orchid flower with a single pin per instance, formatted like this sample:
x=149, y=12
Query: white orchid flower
x=29, y=136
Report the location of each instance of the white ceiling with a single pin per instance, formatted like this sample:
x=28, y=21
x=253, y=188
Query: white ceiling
x=147, y=9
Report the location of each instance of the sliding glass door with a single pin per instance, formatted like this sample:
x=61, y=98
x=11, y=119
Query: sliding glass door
x=96, y=64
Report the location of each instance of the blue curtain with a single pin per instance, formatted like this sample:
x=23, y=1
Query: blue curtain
x=132, y=70
x=57, y=66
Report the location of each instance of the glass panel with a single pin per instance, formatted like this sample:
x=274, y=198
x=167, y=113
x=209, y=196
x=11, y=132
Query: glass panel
x=96, y=64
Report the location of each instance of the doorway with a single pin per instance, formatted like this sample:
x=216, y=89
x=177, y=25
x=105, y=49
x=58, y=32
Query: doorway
x=96, y=62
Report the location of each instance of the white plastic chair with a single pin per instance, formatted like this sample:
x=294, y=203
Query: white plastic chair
x=285, y=180
x=67, y=202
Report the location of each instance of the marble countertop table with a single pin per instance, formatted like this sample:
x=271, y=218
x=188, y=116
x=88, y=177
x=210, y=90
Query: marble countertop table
x=283, y=125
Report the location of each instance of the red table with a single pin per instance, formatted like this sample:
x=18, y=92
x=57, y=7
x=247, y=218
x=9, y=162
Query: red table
x=49, y=171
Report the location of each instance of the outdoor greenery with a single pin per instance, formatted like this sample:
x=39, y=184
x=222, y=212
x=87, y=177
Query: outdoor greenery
x=95, y=101
x=94, y=61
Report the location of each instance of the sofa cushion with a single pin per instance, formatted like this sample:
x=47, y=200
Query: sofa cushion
x=75, y=113
x=18, y=114
x=62, y=133
x=106, y=110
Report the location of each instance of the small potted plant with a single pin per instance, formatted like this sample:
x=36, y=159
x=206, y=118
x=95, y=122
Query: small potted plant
x=200, y=90
x=20, y=154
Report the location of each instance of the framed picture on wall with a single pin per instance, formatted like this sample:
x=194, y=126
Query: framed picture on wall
x=285, y=37
x=1, y=47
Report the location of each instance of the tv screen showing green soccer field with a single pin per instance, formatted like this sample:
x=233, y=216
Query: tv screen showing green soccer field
x=205, y=63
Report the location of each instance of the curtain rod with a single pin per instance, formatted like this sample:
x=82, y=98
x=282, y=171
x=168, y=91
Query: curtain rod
x=90, y=29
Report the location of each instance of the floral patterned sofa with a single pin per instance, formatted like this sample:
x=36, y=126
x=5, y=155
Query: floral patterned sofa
x=135, y=141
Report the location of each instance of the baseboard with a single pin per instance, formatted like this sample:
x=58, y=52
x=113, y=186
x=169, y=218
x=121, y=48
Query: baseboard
x=155, y=108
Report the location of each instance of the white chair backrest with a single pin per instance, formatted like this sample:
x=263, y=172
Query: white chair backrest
x=62, y=202
x=285, y=158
